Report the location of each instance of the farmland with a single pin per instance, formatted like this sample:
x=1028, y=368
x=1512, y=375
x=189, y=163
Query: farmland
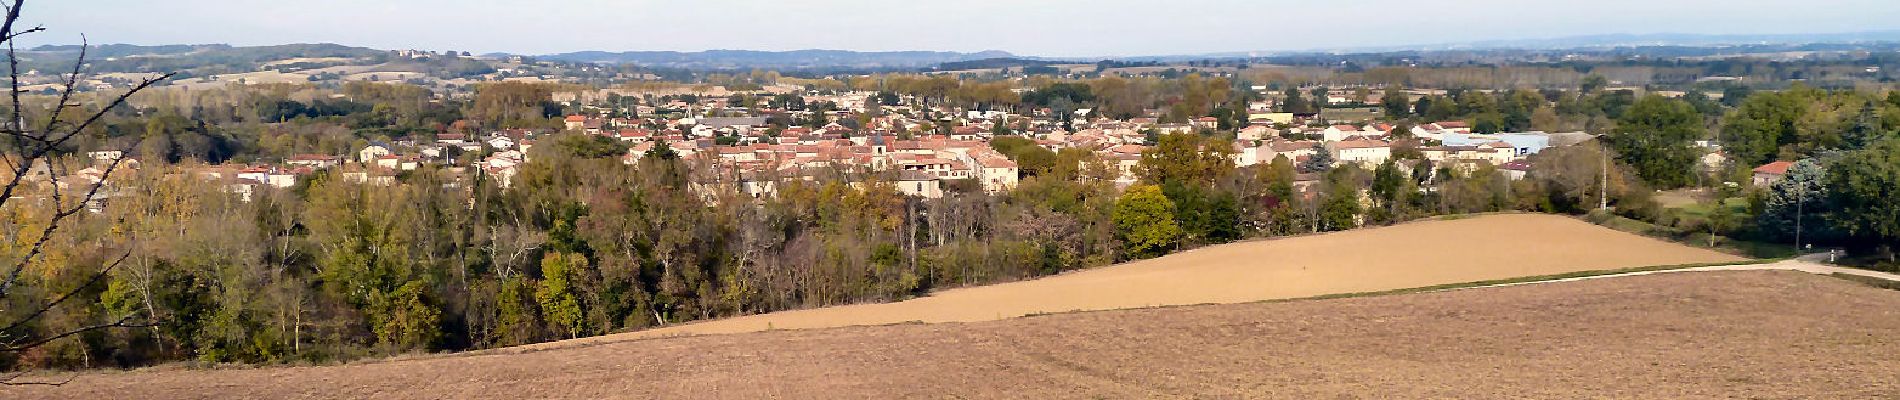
x=1187, y=324
x=1761, y=334
x=1405, y=256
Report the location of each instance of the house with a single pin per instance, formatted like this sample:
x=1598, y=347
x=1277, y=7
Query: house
x=501, y=143
x=285, y=178
x=318, y=161
x=1126, y=159
x=1174, y=129
x=373, y=178
x=1522, y=144
x=1257, y=132
x=502, y=165
x=1271, y=118
x=575, y=122
x=1292, y=150
x=919, y=184
x=106, y=155
x=737, y=123
x=1338, y=133
x=1516, y=170
x=1770, y=173
x=1367, y=152
x=1714, y=161
x=997, y=173
x=1245, y=154
x=1468, y=157
x=374, y=151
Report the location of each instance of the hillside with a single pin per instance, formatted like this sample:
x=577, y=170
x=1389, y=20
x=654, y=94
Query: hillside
x=1682, y=335
x=1405, y=256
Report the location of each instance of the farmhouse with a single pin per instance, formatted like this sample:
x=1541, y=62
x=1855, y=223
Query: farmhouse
x=1770, y=173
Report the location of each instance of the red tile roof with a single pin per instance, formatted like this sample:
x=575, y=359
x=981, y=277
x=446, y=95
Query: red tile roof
x=1775, y=168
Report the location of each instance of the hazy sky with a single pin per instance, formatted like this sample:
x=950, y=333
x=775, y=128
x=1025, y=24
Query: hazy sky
x=1026, y=27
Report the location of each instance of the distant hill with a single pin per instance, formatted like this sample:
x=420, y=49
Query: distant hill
x=1582, y=42
x=799, y=59
x=1679, y=39
x=987, y=63
x=261, y=52
x=136, y=58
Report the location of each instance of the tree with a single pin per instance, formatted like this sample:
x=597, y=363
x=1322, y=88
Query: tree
x=1721, y=220
x=1186, y=159
x=1340, y=210
x=557, y=291
x=1388, y=185
x=1861, y=188
x=662, y=151
x=1865, y=128
x=1144, y=222
x=1030, y=158
x=1424, y=108
x=1756, y=130
x=24, y=300
x=1593, y=83
x=1321, y=160
x=1735, y=94
x=1205, y=215
x=1796, y=201
x=1295, y=104
x=1397, y=103
x=1657, y=136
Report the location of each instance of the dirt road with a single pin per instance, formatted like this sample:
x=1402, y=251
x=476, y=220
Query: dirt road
x=1398, y=257
x=1734, y=334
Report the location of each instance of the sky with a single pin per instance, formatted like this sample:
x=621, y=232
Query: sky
x=1053, y=28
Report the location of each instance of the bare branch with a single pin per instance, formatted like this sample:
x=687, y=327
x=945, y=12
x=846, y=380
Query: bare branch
x=16, y=124
x=41, y=151
x=60, y=213
x=125, y=322
x=72, y=83
x=116, y=102
x=94, y=280
x=42, y=146
x=36, y=29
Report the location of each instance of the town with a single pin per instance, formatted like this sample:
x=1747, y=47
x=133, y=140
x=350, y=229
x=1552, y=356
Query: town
x=922, y=150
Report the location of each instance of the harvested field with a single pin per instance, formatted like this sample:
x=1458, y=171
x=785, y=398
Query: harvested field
x=1405, y=256
x=1752, y=334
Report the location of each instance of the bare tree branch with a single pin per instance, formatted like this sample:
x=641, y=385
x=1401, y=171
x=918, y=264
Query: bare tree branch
x=94, y=280
x=125, y=322
x=41, y=151
x=43, y=147
x=72, y=82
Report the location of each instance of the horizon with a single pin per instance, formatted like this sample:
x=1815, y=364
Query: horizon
x=1126, y=29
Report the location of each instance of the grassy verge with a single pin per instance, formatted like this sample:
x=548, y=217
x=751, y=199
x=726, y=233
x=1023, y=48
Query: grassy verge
x=1869, y=281
x=1751, y=249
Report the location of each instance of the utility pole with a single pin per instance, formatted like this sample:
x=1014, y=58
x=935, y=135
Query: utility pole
x=1603, y=186
x=1800, y=203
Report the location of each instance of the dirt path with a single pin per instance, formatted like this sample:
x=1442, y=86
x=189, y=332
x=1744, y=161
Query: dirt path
x=1397, y=257
x=1723, y=334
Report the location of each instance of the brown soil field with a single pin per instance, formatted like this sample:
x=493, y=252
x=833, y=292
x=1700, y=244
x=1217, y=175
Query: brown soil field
x=1694, y=335
x=1398, y=257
